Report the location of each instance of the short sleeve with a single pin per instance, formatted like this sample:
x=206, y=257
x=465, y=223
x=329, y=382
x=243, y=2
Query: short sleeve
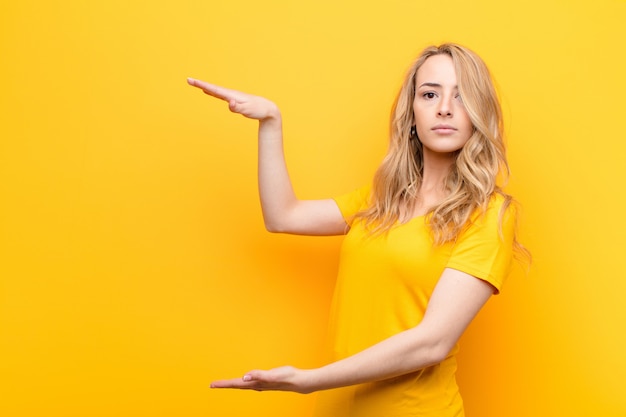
x=485, y=249
x=351, y=203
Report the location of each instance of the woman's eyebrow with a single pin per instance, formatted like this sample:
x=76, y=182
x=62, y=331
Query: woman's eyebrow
x=437, y=85
x=429, y=85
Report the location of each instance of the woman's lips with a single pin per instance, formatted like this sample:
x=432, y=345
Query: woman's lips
x=443, y=129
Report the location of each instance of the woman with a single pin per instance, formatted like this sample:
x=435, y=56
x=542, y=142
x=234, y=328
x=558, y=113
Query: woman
x=426, y=245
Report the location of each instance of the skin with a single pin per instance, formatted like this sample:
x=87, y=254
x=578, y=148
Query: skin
x=457, y=298
x=443, y=126
x=442, y=123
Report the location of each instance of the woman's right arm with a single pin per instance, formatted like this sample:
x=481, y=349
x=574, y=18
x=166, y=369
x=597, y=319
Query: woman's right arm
x=283, y=212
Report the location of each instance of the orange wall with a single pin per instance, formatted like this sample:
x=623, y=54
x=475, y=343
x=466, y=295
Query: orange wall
x=134, y=268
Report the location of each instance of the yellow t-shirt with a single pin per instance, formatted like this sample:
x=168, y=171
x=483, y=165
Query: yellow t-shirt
x=383, y=287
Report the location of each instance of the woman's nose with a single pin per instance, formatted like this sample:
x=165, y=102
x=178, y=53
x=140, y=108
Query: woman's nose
x=445, y=107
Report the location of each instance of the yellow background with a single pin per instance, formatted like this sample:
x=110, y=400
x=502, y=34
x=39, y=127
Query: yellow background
x=134, y=267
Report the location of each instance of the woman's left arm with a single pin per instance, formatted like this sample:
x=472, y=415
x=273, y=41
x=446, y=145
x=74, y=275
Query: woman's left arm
x=456, y=300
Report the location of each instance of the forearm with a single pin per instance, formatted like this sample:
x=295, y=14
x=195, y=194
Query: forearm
x=400, y=354
x=275, y=189
x=277, y=196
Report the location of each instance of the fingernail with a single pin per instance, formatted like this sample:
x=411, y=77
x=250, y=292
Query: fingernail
x=247, y=377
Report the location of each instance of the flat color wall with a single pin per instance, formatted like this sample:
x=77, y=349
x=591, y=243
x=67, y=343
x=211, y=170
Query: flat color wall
x=134, y=266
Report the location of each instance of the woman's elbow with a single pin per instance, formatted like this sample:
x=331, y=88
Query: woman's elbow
x=440, y=352
x=278, y=221
x=436, y=350
x=280, y=225
x=274, y=227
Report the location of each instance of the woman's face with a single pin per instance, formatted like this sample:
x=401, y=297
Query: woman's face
x=443, y=125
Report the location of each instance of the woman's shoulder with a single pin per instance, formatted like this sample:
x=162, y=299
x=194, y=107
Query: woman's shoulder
x=498, y=199
x=498, y=212
x=501, y=203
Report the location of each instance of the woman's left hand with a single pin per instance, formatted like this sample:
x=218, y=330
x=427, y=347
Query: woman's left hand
x=285, y=378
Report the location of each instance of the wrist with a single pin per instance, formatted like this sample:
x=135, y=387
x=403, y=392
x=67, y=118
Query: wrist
x=273, y=114
x=270, y=127
x=323, y=378
x=310, y=381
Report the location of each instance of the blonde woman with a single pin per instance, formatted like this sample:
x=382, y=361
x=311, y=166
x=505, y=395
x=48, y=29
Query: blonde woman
x=426, y=244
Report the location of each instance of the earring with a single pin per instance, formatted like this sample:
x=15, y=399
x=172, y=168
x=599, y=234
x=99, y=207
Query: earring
x=413, y=133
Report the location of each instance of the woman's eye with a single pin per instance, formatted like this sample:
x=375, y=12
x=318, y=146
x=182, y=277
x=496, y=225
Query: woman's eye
x=428, y=95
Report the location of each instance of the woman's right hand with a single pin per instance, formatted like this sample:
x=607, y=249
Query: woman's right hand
x=283, y=212
x=252, y=107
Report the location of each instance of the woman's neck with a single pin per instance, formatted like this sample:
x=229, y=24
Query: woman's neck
x=432, y=189
x=436, y=169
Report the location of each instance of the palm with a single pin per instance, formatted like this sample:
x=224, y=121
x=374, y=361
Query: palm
x=248, y=105
x=285, y=378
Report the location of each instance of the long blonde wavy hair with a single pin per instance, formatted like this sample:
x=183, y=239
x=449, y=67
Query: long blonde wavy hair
x=473, y=178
